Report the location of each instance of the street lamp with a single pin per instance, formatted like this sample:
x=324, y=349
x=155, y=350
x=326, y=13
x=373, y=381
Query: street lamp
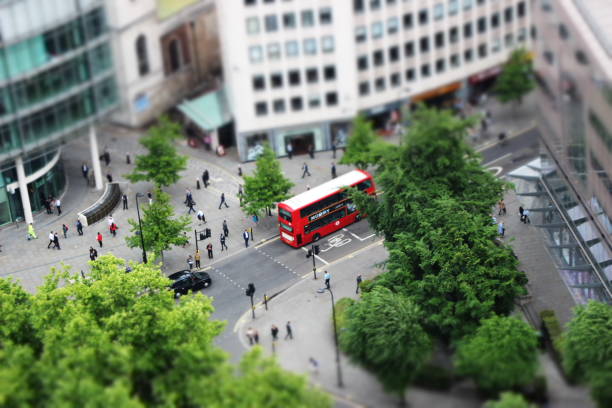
x=338, y=368
x=144, y=253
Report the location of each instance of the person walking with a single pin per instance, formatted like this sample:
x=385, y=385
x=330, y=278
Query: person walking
x=188, y=196
x=522, y=213
x=314, y=365
x=205, y=178
x=223, y=201
x=125, y=201
x=93, y=254
x=222, y=240
x=113, y=229
x=333, y=170
x=290, y=150
x=245, y=235
x=51, y=239
x=249, y=334
x=501, y=229
x=198, y=257
x=311, y=151
x=56, y=241
x=190, y=262
x=65, y=230
x=334, y=147
x=190, y=204
x=358, y=283
x=289, y=331
x=58, y=206
x=327, y=278
x=526, y=219
x=256, y=336
x=79, y=227
x=47, y=204
x=305, y=170
x=150, y=197
x=110, y=220
x=274, y=332
x=240, y=193
x=84, y=170
x=501, y=207
x=109, y=177
x=225, y=228
x=31, y=232
x=201, y=217
x=99, y=239
x=209, y=248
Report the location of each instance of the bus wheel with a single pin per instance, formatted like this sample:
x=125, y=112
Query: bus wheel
x=358, y=217
x=316, y=237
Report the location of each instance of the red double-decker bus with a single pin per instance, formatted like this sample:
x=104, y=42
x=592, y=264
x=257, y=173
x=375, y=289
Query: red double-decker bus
x=322, y=210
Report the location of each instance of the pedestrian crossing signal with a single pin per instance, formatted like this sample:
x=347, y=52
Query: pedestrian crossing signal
x=316, y=250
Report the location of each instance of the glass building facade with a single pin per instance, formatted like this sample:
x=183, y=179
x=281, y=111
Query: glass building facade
x=56, y=78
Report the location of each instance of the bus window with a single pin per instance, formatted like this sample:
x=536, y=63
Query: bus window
x=284, y=214
x=364, y=185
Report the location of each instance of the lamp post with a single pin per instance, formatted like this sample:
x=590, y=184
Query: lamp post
x=338, y=368
x=144, y=253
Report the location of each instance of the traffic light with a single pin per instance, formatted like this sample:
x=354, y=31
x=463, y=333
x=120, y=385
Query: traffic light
x=208, y=234
x=250, y=290
x=202, y=236
x=309, y=254
x=316, y=250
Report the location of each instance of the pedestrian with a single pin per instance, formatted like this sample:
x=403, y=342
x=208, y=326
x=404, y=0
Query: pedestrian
x=327, y=277
x=245, y=235
x=225, y=228
x=274, y=332
x=205, y=178
x=109, y=177
x=209, y=248
x=311, y=151
x=190, y=262
x=222, y=240
x=526, y=217
x=314, y=365
x=501, y=229
x=125, y=202
x=150, y=197
x=334, y=147
x=110, y=220
x=31, y=232
x=93, y=254
x=56, y=241
x=79, y=227
x=256, y=336
x=188, y=196
x=47, y=204
x=198, y=257
x=307, y=187
x=290, y=150
x=58, y=206
x=51, y=239
x=240, y=193
x=289, y=331
x=201, y=216
x=223, y=201
x=333, y=170
x=358, y=283
x=85, y=170
x=65, y=230
x=501, y=207
x=190, y=204
x=249, y=334
x=113, y=229
x=99, y=238
x=305, y=170
x=522, y=213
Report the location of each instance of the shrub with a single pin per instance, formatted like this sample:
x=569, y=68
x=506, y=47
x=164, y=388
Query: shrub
x=509, y=400
x=341, y=308
x=434, y=377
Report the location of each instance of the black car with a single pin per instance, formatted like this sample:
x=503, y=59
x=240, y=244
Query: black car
x=185, y=281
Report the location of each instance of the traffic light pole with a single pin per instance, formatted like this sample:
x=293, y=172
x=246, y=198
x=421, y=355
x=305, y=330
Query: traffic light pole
x=195, y=234
x=252, y=307
x=314, y=267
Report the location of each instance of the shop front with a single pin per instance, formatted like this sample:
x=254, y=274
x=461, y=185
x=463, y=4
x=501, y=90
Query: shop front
x=442, y=97
x=302, y=139
x=482, y=82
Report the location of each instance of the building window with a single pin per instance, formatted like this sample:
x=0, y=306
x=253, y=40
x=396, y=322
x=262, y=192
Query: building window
x=255, y=53
x=605, y=135
x=379, y=58
x=423, y=17
x=379, y=84
x=508, y=14
x=312, y=75
x=296, y=103
x=495, y=20
x=581, y=58
x=314, y=101
x=289, y=20
x=274, y=52
x=374, y=4
x=276, y=80
x=482, y=51
x=291, y=49
x=310, y=46
x=362, y=63
x=521, y=34
x=364, y=88
x=425, y=71
x=394, y=53
x=358, y=6
x=252, y=24
x=409, y=49
x=440, y=65
x=520, y=9
x=377, y=29
x=259, y=83
x=175, y=54
x=467, y=4
x=453, y=35
x=467, y=30
x=395, y=80
x=325, y=16
x=409, y=74
x=549, y=57
x=331, y=99
x=563, y=32
x=392, y=25
x=454, y=60
x=141, y=55
x=439, y=39
x=360, y=34
x=278, y=105
x=271, y=23
x=453, y=7
x=482, y=24
x=468, y=55
x=438, y=11
x=424, y=44
x=294, y=78
x=407, y=21
x=327, y=44
x=329, y=73
x=250, y=2
x=509, y=40
x=496, y=46
x=307, y=18
x=261, y=109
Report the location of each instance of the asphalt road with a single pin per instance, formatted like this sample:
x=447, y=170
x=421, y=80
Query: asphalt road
x=513, y=153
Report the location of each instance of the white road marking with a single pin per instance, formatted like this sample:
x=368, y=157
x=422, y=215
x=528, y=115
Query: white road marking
x=357, y=236
x=317, y=257
x=505, y=156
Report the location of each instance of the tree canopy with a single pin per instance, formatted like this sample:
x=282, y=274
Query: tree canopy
x=359, y=145
x=162, y=165
x=267, y=186
x=502, y=354
x=382, y=332
x=161, y=229
x=120, y=339
x=516, y=79
x=509, y=400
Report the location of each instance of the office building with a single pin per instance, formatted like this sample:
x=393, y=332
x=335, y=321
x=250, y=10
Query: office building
x=299, y=71
x=56, y=79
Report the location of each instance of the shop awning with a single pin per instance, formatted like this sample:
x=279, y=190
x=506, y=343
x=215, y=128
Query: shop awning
x=209, y=111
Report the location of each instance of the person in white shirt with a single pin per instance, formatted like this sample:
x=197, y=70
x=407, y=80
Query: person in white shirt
x=51, y=239
x=58, y=205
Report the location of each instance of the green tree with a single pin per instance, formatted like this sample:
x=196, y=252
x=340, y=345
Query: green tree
x=516, y=79
x=160, y=228
x=509, y=400
x=117, y=339
x=267, y=186
x=359, y=144
x=383, y=333
x=162, y=164
x=587, y=349
x=501, y=355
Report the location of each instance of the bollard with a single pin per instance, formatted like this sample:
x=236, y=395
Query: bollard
x=197, y=183
x=240, y=171
x=266, y=301
x=128, y=160
x=251, y=234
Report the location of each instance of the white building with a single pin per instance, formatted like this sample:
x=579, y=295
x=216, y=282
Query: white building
x=300, y=71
